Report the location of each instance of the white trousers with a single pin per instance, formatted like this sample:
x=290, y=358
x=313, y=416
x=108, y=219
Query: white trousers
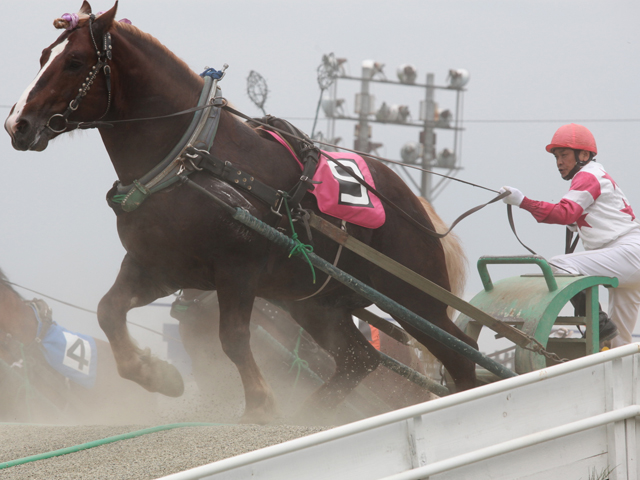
x=620, y=259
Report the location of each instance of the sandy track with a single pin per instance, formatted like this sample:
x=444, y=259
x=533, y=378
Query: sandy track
x=146, y=457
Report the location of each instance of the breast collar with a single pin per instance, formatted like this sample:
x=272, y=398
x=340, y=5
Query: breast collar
x=199, y=136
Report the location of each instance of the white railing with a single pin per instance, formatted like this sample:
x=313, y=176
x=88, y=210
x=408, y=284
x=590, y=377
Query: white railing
x=570, y=421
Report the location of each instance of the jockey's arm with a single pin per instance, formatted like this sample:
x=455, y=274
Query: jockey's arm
x=565, y=212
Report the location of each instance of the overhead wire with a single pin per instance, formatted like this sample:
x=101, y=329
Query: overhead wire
x=544, y=120
x=94, y=312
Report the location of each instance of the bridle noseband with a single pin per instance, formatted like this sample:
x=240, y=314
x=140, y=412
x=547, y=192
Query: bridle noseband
x=103, y=57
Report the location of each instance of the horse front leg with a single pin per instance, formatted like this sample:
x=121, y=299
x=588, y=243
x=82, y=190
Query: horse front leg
x=135, y=287
x=236, y=304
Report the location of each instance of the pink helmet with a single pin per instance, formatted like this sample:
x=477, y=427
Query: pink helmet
x=573, y=136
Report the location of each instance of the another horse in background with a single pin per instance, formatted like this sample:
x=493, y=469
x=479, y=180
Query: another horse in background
x=32, y=389
x=175, y=239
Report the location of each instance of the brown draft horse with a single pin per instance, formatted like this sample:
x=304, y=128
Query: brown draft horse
x=178, y=239
x=32, y=390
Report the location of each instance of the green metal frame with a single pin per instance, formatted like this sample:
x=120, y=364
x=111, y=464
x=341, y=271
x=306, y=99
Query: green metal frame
x=533, y=303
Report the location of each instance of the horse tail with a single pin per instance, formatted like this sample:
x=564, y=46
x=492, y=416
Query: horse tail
x=454, y=255
x=456, y=262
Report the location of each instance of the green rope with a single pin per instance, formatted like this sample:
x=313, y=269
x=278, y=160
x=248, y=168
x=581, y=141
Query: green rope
x=298, y=362
x=104, y=441
x=26, y=386
x=299, y=247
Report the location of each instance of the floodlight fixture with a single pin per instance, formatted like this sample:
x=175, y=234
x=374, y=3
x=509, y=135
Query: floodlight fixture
x=407, y=74
x=371, y=68
x=383, y=113
x=400, y=113
x=444, y=119
x=411, y=152
x=393, y=113
x=458, y=78
x=446, y=159
x=333, y=107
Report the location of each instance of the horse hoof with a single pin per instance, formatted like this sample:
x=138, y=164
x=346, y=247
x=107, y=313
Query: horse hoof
x=265, y=414
x=171, y=384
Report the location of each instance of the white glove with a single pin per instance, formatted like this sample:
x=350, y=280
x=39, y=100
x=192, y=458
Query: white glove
x=515, y=198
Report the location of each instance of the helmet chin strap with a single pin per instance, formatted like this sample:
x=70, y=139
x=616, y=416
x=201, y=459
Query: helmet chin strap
x=578, y=166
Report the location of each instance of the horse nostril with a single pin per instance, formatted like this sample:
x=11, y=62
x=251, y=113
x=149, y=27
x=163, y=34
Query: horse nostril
x=22, y=126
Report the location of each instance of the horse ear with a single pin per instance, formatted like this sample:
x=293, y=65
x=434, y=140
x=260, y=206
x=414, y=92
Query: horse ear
x=106, y=19
x=85, y=8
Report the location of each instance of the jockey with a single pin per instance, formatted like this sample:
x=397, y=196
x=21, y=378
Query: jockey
x=598, y=210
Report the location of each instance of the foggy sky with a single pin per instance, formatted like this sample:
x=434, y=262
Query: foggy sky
x=548, y=62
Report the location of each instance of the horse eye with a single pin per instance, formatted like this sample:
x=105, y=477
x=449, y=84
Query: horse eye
x=74, y=65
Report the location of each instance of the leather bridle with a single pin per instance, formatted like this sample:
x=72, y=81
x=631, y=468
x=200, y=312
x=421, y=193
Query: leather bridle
x=104, y=56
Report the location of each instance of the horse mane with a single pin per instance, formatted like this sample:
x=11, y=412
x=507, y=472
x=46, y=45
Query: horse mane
x=62, y=23
x=454, y=254
x=136, y=32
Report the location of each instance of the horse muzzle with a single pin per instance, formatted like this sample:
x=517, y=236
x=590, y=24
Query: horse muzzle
x=27, y=133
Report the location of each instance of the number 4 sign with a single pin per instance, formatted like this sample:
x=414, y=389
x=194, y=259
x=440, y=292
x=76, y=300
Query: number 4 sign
x=77, y=353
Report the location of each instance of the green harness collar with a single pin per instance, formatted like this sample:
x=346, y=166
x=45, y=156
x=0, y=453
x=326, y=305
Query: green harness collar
x=199, y=135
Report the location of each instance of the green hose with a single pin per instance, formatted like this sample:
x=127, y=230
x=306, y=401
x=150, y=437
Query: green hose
x=104, y=441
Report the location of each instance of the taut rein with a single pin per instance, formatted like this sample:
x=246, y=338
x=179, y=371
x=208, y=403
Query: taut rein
x=107, y=54
x=104, y=56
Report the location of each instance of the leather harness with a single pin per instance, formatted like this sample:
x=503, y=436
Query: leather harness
x=192, y=154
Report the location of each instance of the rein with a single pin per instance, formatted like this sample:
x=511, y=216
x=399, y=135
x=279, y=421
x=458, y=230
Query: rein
x=140, y=190
x=265, y=193
x=371, y=189
x=103, y=57
x=569, y=247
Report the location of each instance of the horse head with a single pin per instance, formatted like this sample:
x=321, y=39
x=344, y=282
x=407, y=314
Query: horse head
x=78, y=61
x=17, y=320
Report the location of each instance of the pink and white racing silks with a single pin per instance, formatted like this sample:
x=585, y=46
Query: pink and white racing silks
x=594, y=202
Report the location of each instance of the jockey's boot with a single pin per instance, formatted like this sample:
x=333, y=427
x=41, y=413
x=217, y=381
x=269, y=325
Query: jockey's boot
x=608, y=329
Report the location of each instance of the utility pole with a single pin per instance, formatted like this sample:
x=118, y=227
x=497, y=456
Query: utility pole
x=363, y=108
x=428, y=142
x=420, y=152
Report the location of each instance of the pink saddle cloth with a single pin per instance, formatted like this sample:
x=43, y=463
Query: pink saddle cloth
x=339, y=194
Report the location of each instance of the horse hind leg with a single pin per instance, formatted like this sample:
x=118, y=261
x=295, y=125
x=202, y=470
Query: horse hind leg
x=236, y=305
x=460, y=367
x=134, y=288
x=333, y=329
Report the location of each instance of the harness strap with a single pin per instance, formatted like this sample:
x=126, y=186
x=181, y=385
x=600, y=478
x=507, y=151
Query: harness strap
x=102, y=65
x=382, y=197
x=227, y=172
x=200, y=134
x=299, y=145
x=513, y=229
